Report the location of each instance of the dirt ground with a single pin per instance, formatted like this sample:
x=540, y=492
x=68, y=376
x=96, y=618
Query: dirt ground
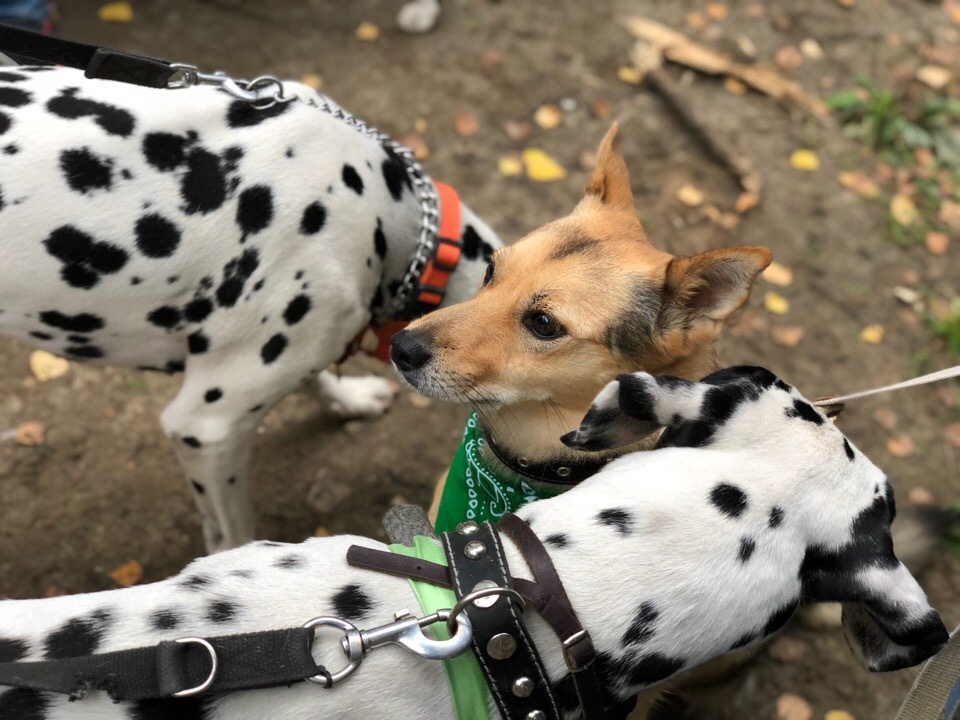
x=105, y=487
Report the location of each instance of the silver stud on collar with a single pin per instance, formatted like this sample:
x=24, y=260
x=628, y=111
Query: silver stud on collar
x=563, y=471
x=523, y=462
x=467, y=528
x=536, y=715
x=502, y=646
x=522, y=687
x=474, y=550
x=487, y=600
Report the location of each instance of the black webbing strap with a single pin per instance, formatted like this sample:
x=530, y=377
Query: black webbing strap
x=503, y=648
x=96, y=62
x=244, y=662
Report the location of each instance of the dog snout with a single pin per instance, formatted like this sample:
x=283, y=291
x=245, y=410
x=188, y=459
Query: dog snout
x=409, y=351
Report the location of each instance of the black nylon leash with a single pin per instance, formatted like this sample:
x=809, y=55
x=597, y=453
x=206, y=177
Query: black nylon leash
x=246, y=661
x=96, y=62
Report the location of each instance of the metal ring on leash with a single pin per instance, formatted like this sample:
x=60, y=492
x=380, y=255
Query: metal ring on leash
x=482, y=593
x=354, y=651
x=213, y=666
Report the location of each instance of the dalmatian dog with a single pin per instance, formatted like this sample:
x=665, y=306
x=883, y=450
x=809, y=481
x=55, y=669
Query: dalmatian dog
x=186, y=230
x=670, y=557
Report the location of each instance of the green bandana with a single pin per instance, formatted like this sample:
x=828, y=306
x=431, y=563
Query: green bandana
x=473, y=492
x=467, y=686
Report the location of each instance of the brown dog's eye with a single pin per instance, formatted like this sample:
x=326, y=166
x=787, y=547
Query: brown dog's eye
x=543, y=326
x=488, y=276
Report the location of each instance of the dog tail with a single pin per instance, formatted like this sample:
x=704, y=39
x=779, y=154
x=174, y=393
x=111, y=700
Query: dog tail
x=919, y=531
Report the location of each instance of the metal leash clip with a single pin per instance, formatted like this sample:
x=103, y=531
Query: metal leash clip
x=406, y=631
x=262, y=92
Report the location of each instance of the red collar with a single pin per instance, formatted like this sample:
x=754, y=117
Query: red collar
x=431, y=285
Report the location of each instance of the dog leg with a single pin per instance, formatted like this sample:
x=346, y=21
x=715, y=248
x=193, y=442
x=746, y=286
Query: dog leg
x=357, y=397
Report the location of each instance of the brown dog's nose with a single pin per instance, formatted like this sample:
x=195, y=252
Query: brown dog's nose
x=408, y=351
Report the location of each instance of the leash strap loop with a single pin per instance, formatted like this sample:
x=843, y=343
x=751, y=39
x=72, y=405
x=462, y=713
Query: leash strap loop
x=922, y=380
x=934, y=692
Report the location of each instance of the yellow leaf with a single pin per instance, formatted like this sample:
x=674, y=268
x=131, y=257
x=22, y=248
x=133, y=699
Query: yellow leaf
x=746, y=201
x=903, y=210
x=933, y=76
x=734, y=86
x=510, y=165
x=367, y=31
x=548, y=116
x=629, y=75
x=716, y=10
x=420, y=125
x=118, y=12
x=811, y=49
x=937, y=243
x=806, y=160
x=127, y=574
x=901, y=446
x=778, y=274
x=838, y=715
x=787, y=335
x=859, y=183
x=871, y=334
x=541, y=167
x=46, y=366
x=312, y=80
x=29, y=433
x=690, y=195
x=793, y=707
x=776, y=304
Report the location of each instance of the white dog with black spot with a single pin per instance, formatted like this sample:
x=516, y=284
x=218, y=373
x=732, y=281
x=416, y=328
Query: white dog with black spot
x=669, y=557
x=188, y=230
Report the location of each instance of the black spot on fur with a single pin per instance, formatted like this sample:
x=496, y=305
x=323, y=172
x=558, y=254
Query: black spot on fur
x=185, y=708
x=557, y=540
x=198, y=488
x=747, y=546
x=314, y=218
x=351, y=178
x=290, y=562
x=395, y=174
x=776, y=516
x=197, y=343
x=729, y=499
x=848, y=450
x=212, y=395
x=243, y=114
x=113, y=120
x=11, y=77
x=156, y=236
x=296, y=309
x=617, y=518
x=84, y=258
x=12, y=650
x=174, y=366
x=351, y=603
x=80, y=636
x=196, y=582
x=245, y=574
x=273, y=348
x=85, y=172
x=80, y=323
x=11, y=149
x=255, y=209
x=637, y=672
x=474, y=246
x=256, y=408
x=380, y=241
x=5, y=123
x=780, y=617
x=78, y=339
x=642, y=626
x=14, y=97
x=166, y=619
x=231, y=158
x=235, y=275
x=90, y=352
x=164, y=151
x=24, y=704
x=166, y=316
x=197, y=310
x=191, y=441
x=40, y=335
x=221, y=611
x=804, y=411
x=204, y=185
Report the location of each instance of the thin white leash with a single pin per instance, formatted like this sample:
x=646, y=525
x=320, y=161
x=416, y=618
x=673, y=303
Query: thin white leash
x=922, y=380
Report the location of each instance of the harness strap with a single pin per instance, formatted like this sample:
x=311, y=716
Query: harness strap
x=935, y=694
x=188, y=666
x=922, y=380
x=96, y=62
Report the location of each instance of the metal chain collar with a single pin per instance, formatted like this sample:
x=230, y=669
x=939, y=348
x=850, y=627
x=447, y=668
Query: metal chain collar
x=266, y=91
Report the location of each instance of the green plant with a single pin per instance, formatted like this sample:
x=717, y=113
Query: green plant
x=947, y=327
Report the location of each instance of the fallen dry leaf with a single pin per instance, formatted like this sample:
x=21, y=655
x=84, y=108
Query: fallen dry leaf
x=746, y=201
x=689, y=195
x=734, y=86
x=587, y=159
x=787, y=335
x=46, y=366
x=838, y=715
x=886, y=418
x=696, y=21
x=716, y=10
x=312, y=80
x=548, y=116
x=937, y=243
x=629, y=75
x=901, y=446
x=600, y=108
x=871, y=334
x=321, y=531
x=903, y=210
x=919, y=495
x=858, y=183
x=793, y=707
x=725, y=220
x=788, y=58
x=776, y=304
x=419, y=401
x=787, y=649
x=746, y=47
x=950, y=213
x=933, y=76
x=540, y=167
x=952, y=434
x=490, y=59
x=811, y=49
x=782, y=21
x=778, y=274
x=510, y=165
x=847, y=3
x=54, y=591
x=116, y=12
x=755, y=10
x=415, y=142
x=805, y=160
x=907, y=296
x=29, y=433
x=127, y=574
x=367, y=32
x=420, y=125
x=465, y=124
x=517, y=130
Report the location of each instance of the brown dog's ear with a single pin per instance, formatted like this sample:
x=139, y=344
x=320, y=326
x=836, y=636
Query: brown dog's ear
x=711, y=285
x=611, y=181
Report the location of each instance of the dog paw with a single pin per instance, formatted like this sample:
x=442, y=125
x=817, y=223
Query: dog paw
x=419, y=16
x=361, y=397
